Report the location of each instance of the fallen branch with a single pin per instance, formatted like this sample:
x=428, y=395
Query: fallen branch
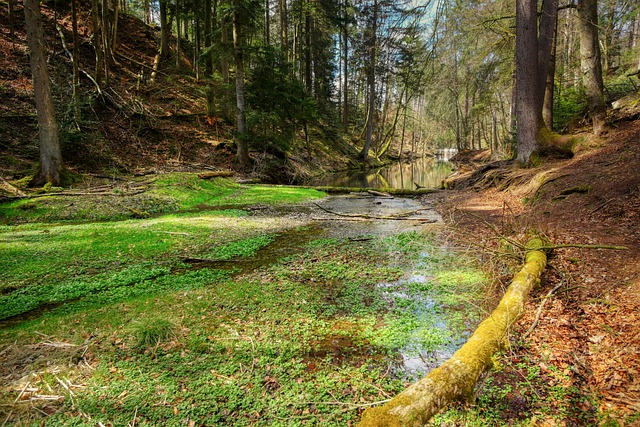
x=215, y=174
x=540, y=308
x=400, y=216
x=4, y=185
x=75, y=193
x=455, y=379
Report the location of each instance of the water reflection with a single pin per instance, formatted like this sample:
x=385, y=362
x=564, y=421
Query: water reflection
x=425, y=172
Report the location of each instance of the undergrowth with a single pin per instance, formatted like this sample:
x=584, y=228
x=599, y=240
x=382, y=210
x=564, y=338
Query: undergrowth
x=128, y=333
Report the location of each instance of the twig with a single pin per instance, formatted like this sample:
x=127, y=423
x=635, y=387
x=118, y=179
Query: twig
x=22, y=392
x=540, y=308
x=7, y=419
x=354, y=405
x=175, y=233
x=135, y=414
x=602, y=205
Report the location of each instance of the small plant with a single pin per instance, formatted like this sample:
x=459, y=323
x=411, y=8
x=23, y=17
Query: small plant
x=149, y=333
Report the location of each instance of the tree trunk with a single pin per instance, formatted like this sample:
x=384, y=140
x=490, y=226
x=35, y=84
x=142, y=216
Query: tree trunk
x=238, y=46
x=104, y=26
x=267, y=23
x=208, y=59
x=284, y=31
x=224, y=31
x=307, y=52
x=547, y=103
x=455, y=379
x=345, y=84
x=548, y=21
x=50, y=156
x=371, y=82
x=114, y=33
x=590, y=64
x=76, y=65
x=11, y=19
x=164, y=31
x=178, y=33
x=96, y=39
x=527, y=82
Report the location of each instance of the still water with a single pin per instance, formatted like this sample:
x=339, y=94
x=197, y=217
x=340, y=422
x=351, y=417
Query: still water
x=426, y=172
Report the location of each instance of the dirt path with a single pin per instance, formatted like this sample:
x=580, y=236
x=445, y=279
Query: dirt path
x=589, y=330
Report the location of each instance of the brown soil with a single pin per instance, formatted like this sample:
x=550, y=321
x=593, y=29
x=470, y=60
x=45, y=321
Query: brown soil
x=589, y=330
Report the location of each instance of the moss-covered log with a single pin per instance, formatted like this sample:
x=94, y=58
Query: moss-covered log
x=456, y=378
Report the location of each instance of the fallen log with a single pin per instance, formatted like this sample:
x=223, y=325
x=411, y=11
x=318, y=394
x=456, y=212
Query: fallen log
x=215, y=174
x=371, y=191
x=455, y=379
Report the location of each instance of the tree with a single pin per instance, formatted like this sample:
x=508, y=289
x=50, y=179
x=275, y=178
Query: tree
x=590, y=63
x=51, y=167
x=527, y=92
x=240, y=13
x=164, y=30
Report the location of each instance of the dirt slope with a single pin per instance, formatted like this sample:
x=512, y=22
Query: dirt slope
x=589, y=330
x=134, y=125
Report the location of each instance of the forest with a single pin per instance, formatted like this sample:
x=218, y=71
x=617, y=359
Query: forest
x=319, y=212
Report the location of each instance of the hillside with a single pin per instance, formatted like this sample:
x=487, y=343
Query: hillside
x=582, y=337
x=133, y=125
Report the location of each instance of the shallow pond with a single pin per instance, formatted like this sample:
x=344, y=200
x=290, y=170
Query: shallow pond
x=426, y=172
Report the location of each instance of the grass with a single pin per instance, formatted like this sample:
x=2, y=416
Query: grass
x=168, y=193
x=108, y=317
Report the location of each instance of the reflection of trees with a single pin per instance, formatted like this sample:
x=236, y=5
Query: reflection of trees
x=426, y=172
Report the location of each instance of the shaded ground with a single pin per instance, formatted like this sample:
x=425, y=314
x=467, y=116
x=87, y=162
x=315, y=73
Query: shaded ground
x=134, y=125
x=587, y=338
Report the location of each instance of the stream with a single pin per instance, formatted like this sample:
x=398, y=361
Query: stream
x=325, y=222
x=427, y=172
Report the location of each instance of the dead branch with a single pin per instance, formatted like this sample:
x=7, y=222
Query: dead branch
x=4, y=185
x=215, y=174
x=540, y=308
x=75, y=193
x=400, y=216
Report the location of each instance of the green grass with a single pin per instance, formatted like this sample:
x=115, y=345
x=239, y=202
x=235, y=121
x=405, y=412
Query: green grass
x=150, y=340
x=168, y=193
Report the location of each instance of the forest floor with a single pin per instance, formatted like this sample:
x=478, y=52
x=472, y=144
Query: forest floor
x=134, y=125
x=584, y=337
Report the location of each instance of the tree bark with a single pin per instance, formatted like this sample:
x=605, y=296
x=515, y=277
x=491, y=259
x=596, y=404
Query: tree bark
x=164, y=31
x=178, y=33
x=76, y=65
x=104, y=26
x=208, y=59
x=50, y=155
x=590, y=63
x=345, y=84
x=238, y=47
x=547, y=103
x=371, y=82
x=96, y=38
x=456, y=378
x=527, y=83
